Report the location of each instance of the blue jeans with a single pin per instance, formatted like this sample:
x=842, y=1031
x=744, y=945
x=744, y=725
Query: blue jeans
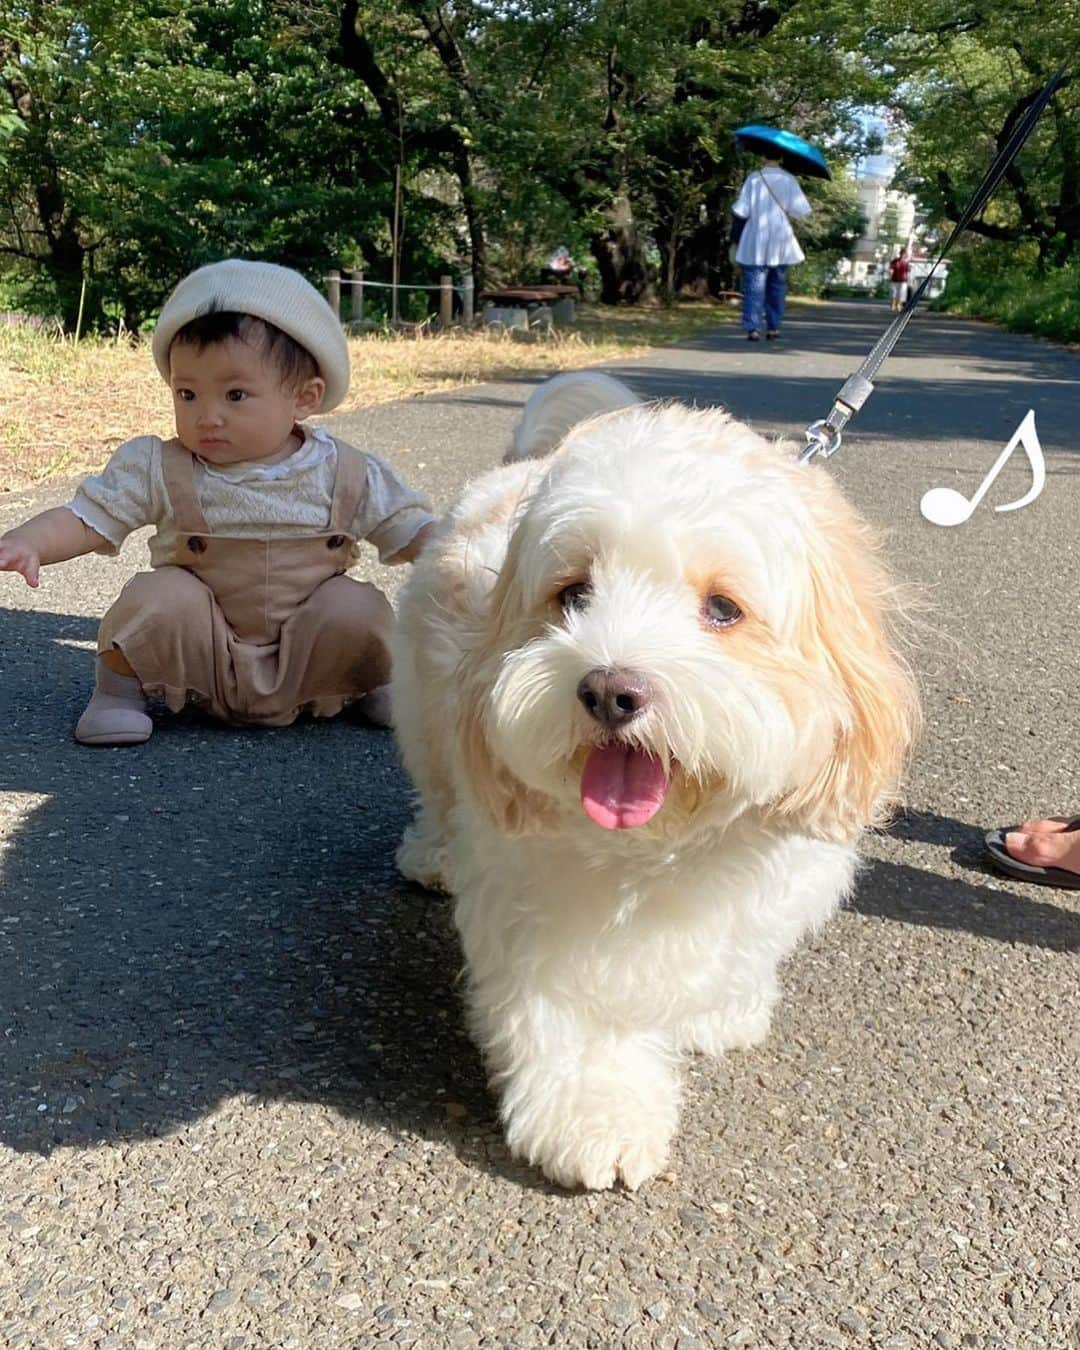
x=763, y=287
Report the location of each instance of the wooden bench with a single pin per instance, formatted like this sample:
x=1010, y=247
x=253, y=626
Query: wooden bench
x=557, y=299
x=528, y=295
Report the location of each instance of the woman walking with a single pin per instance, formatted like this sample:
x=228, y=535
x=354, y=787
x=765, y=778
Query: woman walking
x=769, y=201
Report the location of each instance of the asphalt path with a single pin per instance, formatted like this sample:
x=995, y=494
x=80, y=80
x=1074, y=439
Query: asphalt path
x=237, y=1104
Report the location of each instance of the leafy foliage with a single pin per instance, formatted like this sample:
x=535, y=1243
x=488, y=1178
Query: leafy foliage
x=139, y=138
x=154, y=137
x=984, y=285
x=961, y=75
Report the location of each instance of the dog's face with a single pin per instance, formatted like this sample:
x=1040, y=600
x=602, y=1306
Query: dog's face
x=688, y=624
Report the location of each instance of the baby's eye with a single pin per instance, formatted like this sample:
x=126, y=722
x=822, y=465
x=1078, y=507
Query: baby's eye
x=575, y=596
x=721, y=612
x=236, y=395
x=186, y=395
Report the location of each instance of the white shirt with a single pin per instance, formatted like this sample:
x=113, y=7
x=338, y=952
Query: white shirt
x=248, y=500
x=768, y=239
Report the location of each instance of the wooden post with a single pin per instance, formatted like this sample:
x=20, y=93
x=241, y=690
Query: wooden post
x=446, y=301
x=333, y=291
x=467, y=299
x=82, y=303
x=395, y=242
x=356, y=296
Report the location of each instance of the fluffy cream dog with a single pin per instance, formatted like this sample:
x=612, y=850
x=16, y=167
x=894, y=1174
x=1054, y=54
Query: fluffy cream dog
x=646, y=691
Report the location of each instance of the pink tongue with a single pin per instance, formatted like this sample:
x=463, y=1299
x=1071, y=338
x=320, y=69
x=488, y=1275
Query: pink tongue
x=622, y=787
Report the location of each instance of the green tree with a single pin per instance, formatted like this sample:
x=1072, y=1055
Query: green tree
x=145, y=136
x=963, y=74
x=602, y=123
x=157, y=134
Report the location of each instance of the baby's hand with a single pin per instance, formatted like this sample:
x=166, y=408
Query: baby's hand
x=16, y=556
x=415, y=547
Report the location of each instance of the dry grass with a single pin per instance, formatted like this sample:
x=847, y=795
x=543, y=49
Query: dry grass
x=64, y=408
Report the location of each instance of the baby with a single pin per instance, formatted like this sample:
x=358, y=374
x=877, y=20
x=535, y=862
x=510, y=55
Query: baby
x=247, y=611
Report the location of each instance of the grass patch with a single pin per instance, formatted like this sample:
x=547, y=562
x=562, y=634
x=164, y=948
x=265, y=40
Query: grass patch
x=64, y=408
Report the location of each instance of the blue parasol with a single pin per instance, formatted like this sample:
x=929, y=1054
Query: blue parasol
x=797, y=155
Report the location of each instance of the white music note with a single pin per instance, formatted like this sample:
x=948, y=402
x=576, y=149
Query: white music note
x=946, y=506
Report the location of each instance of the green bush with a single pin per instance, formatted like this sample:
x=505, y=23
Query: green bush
x=992, y=283
x=812, y=276
x=809, y=277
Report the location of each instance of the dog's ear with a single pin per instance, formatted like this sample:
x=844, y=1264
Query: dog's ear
x=510, y=806
x=846, y=633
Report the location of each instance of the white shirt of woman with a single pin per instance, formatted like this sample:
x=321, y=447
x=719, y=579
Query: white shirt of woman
x=770, y=199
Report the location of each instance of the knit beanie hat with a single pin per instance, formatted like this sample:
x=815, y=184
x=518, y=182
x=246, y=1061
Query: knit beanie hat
x=277, y=294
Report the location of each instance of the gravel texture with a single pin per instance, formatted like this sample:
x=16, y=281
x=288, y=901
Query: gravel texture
x=237, y=1104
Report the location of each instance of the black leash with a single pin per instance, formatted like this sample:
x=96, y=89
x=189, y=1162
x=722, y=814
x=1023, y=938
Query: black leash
x=824, y=437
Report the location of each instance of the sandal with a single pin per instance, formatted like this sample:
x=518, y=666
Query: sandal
x=1003, y=860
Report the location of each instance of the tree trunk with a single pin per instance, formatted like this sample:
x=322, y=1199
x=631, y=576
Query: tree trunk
x=64, y=262
x=444, y=141
x=704, y=265
x=473, y=216
x=63, y=259
x=620, y=256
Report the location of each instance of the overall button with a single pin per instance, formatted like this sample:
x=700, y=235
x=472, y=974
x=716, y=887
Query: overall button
x=196, y=544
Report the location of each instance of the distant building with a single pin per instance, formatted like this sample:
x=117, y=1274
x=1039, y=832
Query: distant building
x=921, y=262
x=892, y=223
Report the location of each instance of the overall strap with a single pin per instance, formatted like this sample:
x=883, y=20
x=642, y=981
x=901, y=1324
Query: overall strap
x=350, y=485
x=178, y=466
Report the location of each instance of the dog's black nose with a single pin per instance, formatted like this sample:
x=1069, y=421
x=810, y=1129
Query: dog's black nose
x=614, y=697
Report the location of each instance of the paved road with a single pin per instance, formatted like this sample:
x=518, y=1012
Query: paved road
x=237, y=1107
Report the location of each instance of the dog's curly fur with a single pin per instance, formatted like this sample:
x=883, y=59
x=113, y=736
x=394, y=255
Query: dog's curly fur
x=596, y=956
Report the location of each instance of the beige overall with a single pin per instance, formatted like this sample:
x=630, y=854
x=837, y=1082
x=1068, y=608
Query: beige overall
x=254, y=630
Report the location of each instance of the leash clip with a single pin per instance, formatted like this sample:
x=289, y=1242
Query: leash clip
x=825, y=437
x=821, y=439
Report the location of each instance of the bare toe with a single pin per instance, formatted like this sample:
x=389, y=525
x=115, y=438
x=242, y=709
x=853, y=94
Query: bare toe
x=1058, y=849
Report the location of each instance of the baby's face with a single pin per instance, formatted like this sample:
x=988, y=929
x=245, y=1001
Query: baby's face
x=231, y=405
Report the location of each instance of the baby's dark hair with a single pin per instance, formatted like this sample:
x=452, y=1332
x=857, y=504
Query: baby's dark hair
x=294, y=363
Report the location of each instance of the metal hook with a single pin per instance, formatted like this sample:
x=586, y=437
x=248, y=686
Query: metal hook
x=821, y=438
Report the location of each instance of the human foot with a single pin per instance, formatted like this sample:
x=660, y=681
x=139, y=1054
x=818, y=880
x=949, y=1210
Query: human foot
x=116, y=713
x=1058, y=848
x=376, y=707
x=1049, y=825
x=1048, y=855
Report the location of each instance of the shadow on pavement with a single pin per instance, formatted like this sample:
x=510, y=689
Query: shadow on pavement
x=850, y=328
x=217, y=913
x=213, y=913
x=914, y=896
x=1009, y=912
x=903, y=408
x=909, y=411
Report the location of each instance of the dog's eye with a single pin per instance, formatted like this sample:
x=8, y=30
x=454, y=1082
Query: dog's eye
x=722, y=612
x=575, y=596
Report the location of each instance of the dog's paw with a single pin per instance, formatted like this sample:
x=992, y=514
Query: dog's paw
x=596, y=1154
x=422, y=858
x=594, y=1143
x=727, y=1029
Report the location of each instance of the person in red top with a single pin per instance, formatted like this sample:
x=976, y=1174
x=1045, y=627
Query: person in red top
x=899, y=275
